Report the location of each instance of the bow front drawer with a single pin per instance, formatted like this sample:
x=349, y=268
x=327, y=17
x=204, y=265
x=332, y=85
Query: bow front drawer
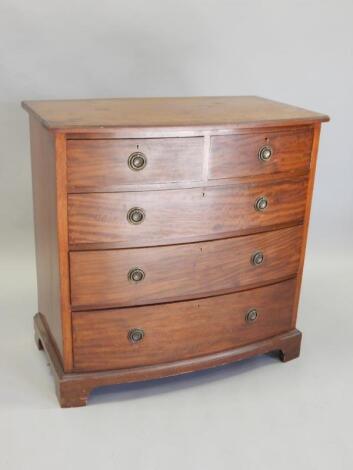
x=170, y=234
x=117, y=278
x=147, y=218
x=165, y=333
x=96, y=165
x=260, y=153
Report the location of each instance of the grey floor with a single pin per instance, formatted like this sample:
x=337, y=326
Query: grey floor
x=258, y=414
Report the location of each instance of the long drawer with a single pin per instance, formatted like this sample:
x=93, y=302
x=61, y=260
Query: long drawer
x=103, y=164
x=260, y=153
x=181, y=216
x=117, y=278
x=129, y=337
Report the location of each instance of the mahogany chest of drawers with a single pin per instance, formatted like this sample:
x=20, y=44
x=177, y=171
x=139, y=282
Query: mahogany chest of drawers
x=170, y=234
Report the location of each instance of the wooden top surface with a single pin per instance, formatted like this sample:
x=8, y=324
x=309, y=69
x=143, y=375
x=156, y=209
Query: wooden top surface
x=195, y=112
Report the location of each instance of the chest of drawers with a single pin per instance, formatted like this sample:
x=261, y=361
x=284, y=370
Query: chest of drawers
x=170, y=234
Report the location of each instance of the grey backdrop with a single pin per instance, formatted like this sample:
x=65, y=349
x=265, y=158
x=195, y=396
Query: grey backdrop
x=300, y=52
x=296, y=51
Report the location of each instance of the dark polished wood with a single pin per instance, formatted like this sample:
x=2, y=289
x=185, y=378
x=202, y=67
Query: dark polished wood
x=189, y=256
x=189, y=329
x=99, y=279
x=73, y=389
x=314, y=153
x=239, y=155
x=45, y=223
x=51, y=235
x=187, y=215
x=63, y=248
x=97, y=164
x=182, y=113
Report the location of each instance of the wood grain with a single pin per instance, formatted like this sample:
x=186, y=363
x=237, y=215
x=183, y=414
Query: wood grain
x=195, y=245
x=142, y=113
x=51, y=235
x=181, y=330
x=97, y=164
x=314, y=154
x=73, y=389
x=99, y=278
x=63, y=249
x=238, y=155
x=43, y=162
x=181, y=216
x=180, y=132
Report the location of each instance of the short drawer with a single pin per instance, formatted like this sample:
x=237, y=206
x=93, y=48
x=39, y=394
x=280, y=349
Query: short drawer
x=181, y=216
x=105, y=164
x=117, y=278
x=131, y=337
x=260, y=153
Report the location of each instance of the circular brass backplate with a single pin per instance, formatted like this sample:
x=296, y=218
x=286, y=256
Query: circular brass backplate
x=136, y=215
x=137, y=161
x=265, y=153
x=136, y=275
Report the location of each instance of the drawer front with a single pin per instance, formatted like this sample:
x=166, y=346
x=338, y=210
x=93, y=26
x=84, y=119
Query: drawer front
x=171, y=332
x=116, y=278
x=104, y=164
x=260, y=153
x=180, y=216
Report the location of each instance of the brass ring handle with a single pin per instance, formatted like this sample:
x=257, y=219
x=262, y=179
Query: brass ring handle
x=136, y=215
x=251, y=315
x=136, y=275
x=137, y=161
x=265, y=153
x=135, y=335
x=261, y=204
x=257, y=258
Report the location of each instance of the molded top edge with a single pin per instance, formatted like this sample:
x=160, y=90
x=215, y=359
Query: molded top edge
x=189, y=112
